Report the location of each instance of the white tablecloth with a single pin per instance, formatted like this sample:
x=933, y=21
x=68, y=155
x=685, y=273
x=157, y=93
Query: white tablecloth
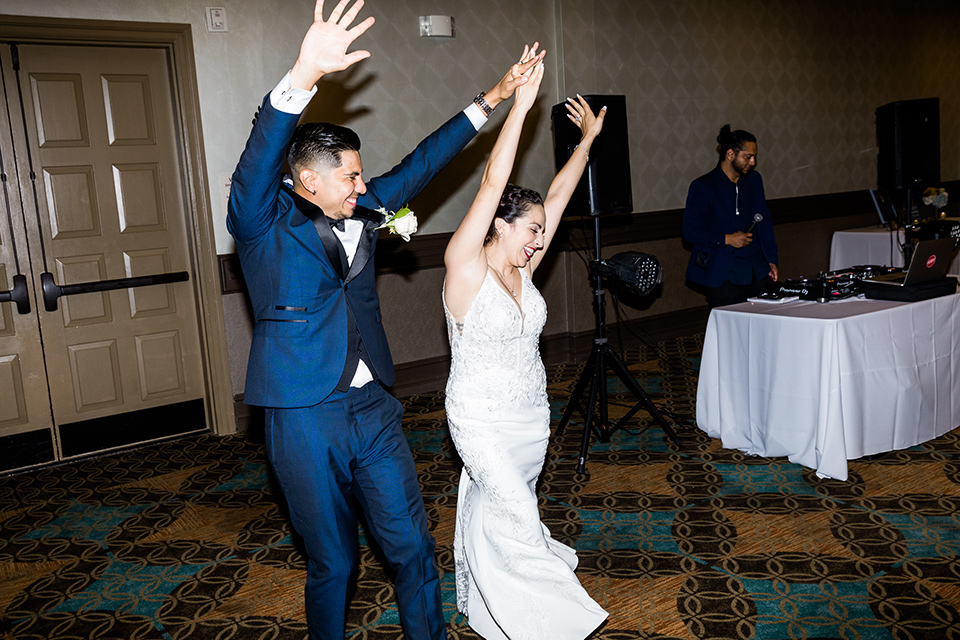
x=872, y=245
x=826, y=383
x=867, y=245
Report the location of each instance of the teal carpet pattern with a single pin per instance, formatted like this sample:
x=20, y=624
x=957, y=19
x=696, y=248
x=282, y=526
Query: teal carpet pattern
x=190, y=539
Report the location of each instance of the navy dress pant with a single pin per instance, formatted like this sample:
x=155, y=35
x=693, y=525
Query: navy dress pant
x=351, y=446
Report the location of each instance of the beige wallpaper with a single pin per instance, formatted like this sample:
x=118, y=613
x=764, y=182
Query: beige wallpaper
x=411, y=84
x=407, y=88
x=804, y=76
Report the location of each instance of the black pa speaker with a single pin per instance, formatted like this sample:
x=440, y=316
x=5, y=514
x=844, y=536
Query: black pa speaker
x=908, y=133
x=605, y=185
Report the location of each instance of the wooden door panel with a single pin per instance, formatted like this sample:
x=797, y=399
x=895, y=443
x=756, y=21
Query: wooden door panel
x=149, y=301
x=7, y=309
x=88, y=308
x=138, y=196
x=58, y=99
x=129, y=109
x=95, y=376
x=24, y=403
x=160, y=363
x=70, y=194
x=26, y=424
x=82, y=104
x=104, y=139
x=13, y=409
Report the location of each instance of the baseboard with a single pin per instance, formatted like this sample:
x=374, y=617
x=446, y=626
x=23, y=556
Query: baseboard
x=430, y=375
x=249, y=419
x=421, y=376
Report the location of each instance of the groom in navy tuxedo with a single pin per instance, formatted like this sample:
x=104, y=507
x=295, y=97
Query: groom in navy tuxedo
x=319, y=358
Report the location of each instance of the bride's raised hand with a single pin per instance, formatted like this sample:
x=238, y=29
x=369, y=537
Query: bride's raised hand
x=582, y=115
x=529, y=53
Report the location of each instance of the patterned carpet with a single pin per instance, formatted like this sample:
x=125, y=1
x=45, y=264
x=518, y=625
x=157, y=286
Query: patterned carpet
x=189, y=539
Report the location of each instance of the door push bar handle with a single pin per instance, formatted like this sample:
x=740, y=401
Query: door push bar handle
x=51, y=291
x=18, y=294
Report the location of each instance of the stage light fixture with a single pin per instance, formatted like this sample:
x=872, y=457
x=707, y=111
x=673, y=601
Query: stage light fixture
x=639, y=272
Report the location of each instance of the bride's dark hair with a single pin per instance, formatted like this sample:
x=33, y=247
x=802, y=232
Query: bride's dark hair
x=514, y=204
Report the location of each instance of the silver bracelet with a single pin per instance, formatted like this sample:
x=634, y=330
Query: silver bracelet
x=584, y=152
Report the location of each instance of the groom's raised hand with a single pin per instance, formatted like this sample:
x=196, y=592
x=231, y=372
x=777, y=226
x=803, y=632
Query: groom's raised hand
x=324, y=47
x=518, y=74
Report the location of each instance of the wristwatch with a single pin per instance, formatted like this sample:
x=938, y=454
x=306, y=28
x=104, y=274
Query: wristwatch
x=480, y=102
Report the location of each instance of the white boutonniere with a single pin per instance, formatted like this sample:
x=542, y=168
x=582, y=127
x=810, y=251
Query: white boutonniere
x=402, y=223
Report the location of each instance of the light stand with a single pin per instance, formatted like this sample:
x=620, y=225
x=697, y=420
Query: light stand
x=601, y=357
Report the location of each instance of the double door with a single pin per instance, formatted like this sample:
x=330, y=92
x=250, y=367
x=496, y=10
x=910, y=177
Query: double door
x=100, y=337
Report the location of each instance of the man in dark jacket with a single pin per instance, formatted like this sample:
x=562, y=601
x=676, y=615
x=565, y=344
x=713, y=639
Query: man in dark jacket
x=728, y=224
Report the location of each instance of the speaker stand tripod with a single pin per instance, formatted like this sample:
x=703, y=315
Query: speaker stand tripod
x=601, y=357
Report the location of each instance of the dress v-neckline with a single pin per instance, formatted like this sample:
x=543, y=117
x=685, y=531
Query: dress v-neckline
x=516, y=300
x=502, y=285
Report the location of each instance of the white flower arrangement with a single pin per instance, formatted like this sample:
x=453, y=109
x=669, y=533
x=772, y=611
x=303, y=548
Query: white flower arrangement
x=937, y=197
x=402, y=223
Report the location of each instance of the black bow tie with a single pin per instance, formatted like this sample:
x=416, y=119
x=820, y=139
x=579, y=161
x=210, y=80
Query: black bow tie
x=337, y=223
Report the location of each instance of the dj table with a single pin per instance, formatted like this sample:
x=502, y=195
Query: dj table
x=826, y=383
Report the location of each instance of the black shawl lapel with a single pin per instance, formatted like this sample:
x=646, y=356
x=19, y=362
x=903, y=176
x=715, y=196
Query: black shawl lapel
x=331, y=244
x=371, y=220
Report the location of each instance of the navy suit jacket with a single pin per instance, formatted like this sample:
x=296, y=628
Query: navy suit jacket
x=710, y=214
x=292, y=267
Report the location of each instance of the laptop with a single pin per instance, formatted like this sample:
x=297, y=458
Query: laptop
x=930, y=261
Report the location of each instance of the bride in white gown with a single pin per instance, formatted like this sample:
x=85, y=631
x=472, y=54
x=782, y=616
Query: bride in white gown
x=513, y=579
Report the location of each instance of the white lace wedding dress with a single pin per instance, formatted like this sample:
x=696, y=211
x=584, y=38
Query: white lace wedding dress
x=513, y=579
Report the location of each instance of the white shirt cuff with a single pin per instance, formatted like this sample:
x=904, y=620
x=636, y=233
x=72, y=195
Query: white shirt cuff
x=289, y=99
x=476, y=116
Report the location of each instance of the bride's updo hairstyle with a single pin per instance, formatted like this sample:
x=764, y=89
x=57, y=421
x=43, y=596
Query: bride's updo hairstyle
x=514, y=204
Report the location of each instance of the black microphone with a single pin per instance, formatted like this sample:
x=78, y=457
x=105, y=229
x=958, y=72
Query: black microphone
x=757, y=217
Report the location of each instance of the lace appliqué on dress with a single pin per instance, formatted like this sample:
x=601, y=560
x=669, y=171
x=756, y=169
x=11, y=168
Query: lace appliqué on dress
x=513, y=579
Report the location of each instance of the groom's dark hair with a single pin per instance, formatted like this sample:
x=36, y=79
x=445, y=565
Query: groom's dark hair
x=514, y=203
x=320, y=142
